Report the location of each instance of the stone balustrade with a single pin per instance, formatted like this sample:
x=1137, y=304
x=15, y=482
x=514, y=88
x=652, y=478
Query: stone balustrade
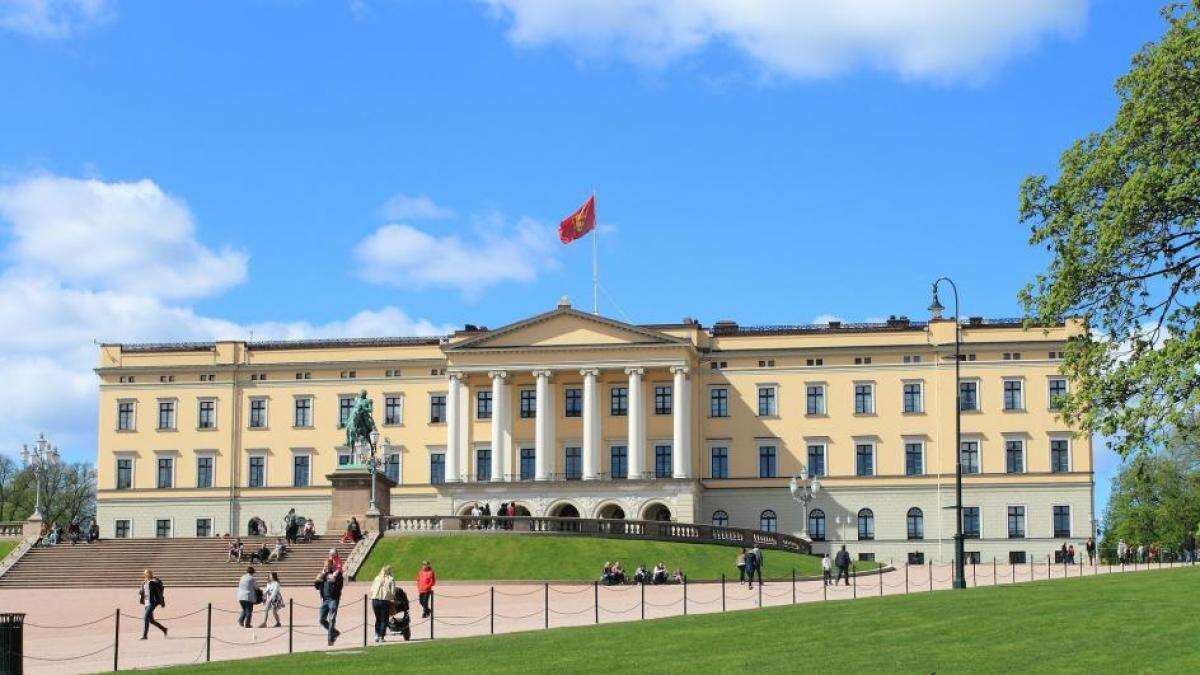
x=12, y=528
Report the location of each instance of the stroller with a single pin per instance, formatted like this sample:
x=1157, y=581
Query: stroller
x=400, y=621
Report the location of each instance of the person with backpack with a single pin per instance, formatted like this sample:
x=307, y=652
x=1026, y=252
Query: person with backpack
x=754, y=565
x=383, y=592
x=425, y=582
x=843, y=564
x=248, y=595
x=151, y=596
x=329, y=585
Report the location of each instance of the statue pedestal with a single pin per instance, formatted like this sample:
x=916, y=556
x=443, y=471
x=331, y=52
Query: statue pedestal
x=352, y=499
x=33, y=527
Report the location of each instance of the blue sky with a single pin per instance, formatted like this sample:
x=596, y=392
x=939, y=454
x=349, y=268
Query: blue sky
x=302, y=167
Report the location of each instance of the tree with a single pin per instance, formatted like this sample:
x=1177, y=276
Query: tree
x=1121, y=223
x=68, y=492
x=1156, y=496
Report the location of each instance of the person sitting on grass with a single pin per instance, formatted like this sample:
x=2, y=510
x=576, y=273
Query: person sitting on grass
x=640, y=576
x=678, y=577
x=618, y=573
x=660, y=574
x=606, y=574
x=235, y=551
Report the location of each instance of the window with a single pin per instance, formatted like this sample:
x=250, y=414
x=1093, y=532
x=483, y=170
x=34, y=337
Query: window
x=766, y=461
x=349, y=374
x=816, y=459
x=816, y=525
x=1016, y=522
x=344, y=458
x=206, y=415
x=718, y=402
x=300, y=466
x=166, y=415
x=815, y=403
x=970, y=456
x=968, y=396
x=483, y=404
x=574, y=463
x=437, y=408
x=304, y=375
x=258, y=472
x=814, y=362
x=911, y=358
x=914, y=459
x=1016, y=557
x=662, y=461
x=720, y=519
x=766, y=402
x=618, y=401
x=1058, y=389
x=162, y=528
x=166, y=472
x=866, y=525
x=916, y=524
x=866, y=557
x=1013, y=398
x=483, y=464
x=391, y=467
x=121, y=529
x=1014, y=456
x=573, y=403
x=767, y=521
x=769, y=363
x=618, y=464
x=203, y=527
x=970, y=516
x=528, y=404
x=302, y=416
x=393, y=410
x=662, y=399
x=437, y=468
x=204, y=472
x=864, y=459
x=1060, y=455
x=912, y=397
x=719, y=466
x=125, y=416
x=124, y=473
x=345, y=407
x=1062, y=522
x=528, y=463
x=864, y=403
x=258, y=413
x=862, y=360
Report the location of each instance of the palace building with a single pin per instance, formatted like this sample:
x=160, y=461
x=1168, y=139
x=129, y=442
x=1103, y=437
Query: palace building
x=577, y=415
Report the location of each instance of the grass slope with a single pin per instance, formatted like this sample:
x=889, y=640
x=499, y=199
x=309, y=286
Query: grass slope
x=1120, y=623
x=7, y=545
x=560, y=558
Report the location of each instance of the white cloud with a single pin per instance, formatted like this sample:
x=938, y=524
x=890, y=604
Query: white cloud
x=825, y=318
x=492, y=252
x=52, y=19
x=921, y=39
x=414, y=207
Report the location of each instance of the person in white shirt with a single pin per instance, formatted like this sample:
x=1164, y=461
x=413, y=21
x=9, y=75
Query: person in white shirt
x=247, y=591
x=826, y=569
x=272, y=601
x=383, y=592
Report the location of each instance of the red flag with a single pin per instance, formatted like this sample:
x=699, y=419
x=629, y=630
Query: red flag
x=579, y=223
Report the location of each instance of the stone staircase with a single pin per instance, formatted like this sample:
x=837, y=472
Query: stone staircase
x=115, y=563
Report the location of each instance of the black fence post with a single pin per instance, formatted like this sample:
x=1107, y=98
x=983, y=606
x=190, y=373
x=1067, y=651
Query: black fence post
x=685, y=596
x=793, y=585
x=930, y=576
x=854, y=580
x=994, y=581
x=879, y=576
x=643, y=603
x=1047, y=566
x=364, y=619
x=546, y=605
x=492, y=611
x=291, y=614
x=1030, y=570
x=722, y=591
x=431, y=608
x=116, y=638
x=974, y=583
x=760, y=584
x=906, y=578
x=208, y=636
x=596, y=598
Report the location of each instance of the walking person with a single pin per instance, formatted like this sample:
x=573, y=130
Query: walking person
x=754, y=565
x=740, y=562
x=425, y=582
x=272, y=601
x=329, y=584
x=843, y=566
x=826, y=573
x=1090, y=546
x=151, y=597
x=383, y=593
x=247, y=595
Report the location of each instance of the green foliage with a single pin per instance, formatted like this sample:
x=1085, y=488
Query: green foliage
x=1156, y=496
x=1121, y=224
x=68, y=492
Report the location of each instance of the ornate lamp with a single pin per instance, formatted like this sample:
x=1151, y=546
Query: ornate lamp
x=804, y=490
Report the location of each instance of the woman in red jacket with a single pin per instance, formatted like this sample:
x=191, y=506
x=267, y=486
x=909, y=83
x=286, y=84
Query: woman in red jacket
x=425, y=581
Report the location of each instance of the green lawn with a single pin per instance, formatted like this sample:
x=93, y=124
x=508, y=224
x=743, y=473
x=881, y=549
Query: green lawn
x=560, y=558
x=7, y=545
x=1137, y=622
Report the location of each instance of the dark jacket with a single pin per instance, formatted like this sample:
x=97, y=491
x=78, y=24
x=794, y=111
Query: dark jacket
x=329, y=589
x=157, y=595
x=842, y=559
x=401, y=600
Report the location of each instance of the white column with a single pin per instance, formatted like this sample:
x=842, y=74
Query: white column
x=681, y=439
x=453, y=440
x=591, y=424
x=543, y=425
x=636, y=443
x=501, y=426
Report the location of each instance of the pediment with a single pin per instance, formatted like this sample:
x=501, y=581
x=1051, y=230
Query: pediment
x=566, y=327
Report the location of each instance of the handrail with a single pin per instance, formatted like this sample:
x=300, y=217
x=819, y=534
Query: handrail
x=696, y=533
x=12, y=528
x=17, y=553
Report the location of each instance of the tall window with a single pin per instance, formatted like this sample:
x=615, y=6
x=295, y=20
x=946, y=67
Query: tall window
x=1058, y=389
x=206, y=415
x=618, y=402
x=1016, y=522
x=391, y=467
x=437, y=468
x=816, y=525
x=662, y=461
x=1013, y=398
x=574, y=464
x=912, y=397
x=719, y=466
x=864, y=403
x=345, y=406
x=124, y=473
x=970, y=456
x=768, y=521
x=816, y=459
x=866, y=525
x=618, y=462
x=437, y=409
x=258, y=413
x=162, y=528
x=914, y=464
x=574, y=403
x=166, y=414
x=815, y=399
x=662, y=399
x=483, y=464
x=718, y=402
x=483, y=404
x=300, y=466
x=528, y=463
x=125, y=416
x=766, y=402
x=916, y=523
x=258, y=472
x=122, y=529
x=528, y=404
x=203, y=528
x=393, y=410
x=720, y=519
x=766, y=461
x=1060, y=456
x=166, y=472
x=1014, y=456
x=204, y=472
x=864, y=459
x=970, y=516
x=302, y=416
x=968, y=396
x=1062, y=521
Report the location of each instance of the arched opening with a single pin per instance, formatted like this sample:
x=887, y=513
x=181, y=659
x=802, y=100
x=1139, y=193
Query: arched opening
x=916, y=523
x=519, y=510
x=768, y=521
x=816, y=525
x=612, y=512
x=656, y=511
x=720, y=519
x=866, y=524
x=564, y=510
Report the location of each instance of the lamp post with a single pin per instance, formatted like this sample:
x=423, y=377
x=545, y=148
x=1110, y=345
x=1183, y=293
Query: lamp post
x=803, y=490
x=935, y=309
x=39, y=460
x=373, y=509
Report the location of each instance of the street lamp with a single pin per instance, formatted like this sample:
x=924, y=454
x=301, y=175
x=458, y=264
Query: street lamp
x=42, y=458
x=936, y=309
x=373, y=510
x=803, y=491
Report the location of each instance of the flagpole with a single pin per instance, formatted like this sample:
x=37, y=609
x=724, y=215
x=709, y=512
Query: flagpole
x=595, y=263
